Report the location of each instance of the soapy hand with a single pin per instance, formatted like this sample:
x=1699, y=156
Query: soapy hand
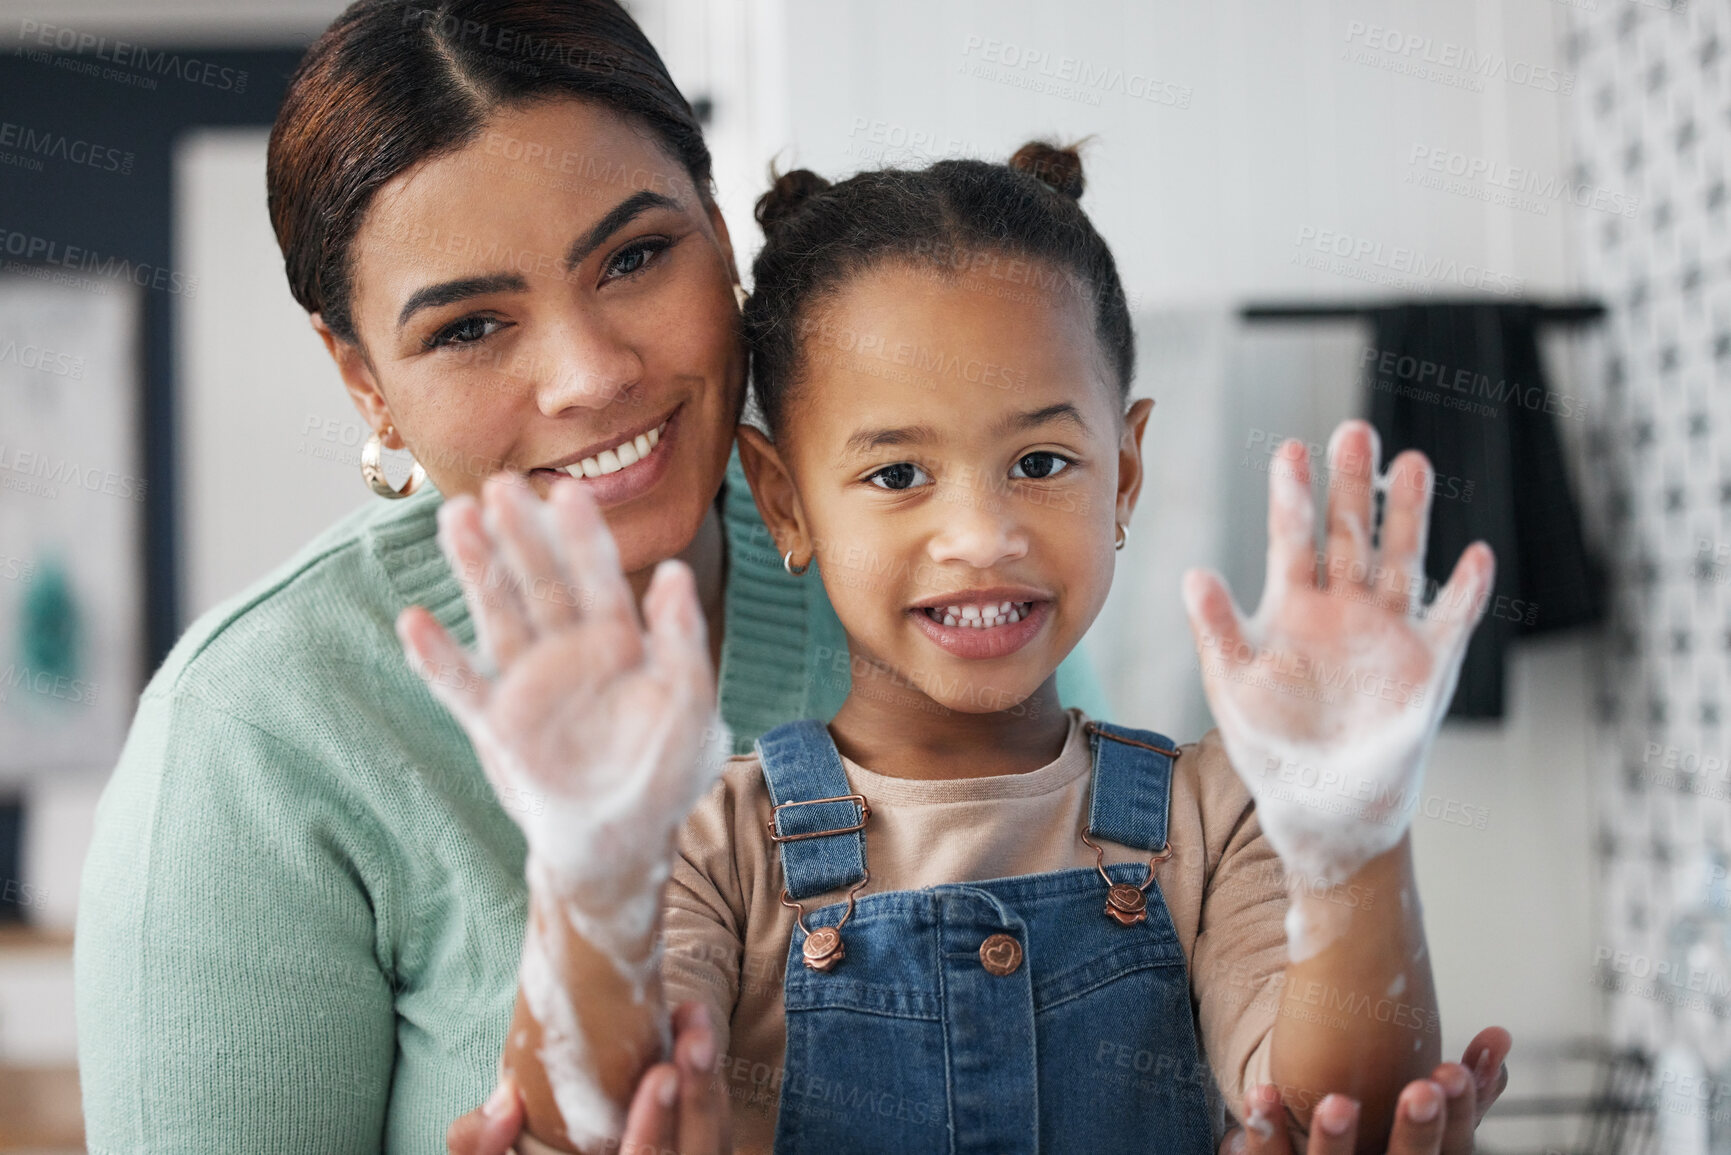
x=599, y=735
x=1329, y=697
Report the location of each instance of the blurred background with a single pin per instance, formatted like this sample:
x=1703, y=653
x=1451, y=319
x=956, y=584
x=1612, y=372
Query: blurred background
x=1497, y=227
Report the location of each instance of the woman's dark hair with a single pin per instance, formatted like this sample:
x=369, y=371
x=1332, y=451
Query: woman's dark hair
x=951, y=217
x=394, y=82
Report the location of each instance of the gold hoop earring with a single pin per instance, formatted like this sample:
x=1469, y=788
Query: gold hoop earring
x=740, y=296
x=787, y=564
x=373, y=469
x=1123, y=536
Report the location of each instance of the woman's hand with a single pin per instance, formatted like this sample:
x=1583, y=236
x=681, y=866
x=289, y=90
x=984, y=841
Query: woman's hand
x=1455, y=1098
x=594, y=729
x=1328, y=697
x=679, y=1107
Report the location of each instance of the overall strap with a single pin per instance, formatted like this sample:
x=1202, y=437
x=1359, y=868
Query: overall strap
x=818, y=823
x=1132, y=785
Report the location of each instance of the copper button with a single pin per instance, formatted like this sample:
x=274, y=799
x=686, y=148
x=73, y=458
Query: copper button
x=1000, y=954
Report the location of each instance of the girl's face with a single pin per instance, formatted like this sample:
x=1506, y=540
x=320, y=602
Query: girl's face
x=957, y=457
x=555, y=297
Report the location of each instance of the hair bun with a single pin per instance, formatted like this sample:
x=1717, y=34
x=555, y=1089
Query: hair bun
x=1058, y=168
x=786, y=195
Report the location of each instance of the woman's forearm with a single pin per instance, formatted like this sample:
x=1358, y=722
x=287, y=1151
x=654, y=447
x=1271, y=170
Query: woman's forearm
x=1358, y=1010
x=589, y=1020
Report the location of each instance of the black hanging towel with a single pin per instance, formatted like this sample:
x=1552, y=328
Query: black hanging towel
x=1463, y=383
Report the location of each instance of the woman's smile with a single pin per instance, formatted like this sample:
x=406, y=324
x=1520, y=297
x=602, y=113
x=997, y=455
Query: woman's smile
x=621, y=468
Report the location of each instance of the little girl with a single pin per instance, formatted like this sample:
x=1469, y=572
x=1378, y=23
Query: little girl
x=958, y=917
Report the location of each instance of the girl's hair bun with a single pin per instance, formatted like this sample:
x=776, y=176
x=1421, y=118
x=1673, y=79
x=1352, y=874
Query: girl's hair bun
x=1058, y=168
x=786, y=195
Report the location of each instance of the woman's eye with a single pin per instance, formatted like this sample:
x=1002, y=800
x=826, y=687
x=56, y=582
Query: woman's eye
x=901, y=475
x=633, y=258
x=1038, y=466
x=466, y=331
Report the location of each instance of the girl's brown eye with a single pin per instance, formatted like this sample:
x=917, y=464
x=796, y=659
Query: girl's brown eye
x=1039, y=466
x=901, y=475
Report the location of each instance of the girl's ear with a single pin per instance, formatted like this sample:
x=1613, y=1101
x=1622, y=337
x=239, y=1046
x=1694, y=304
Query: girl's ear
x=1130, y=458
x=777, y=499
x=358, y=379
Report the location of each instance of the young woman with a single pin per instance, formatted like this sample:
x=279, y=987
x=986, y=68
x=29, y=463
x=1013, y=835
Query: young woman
x=301, y=918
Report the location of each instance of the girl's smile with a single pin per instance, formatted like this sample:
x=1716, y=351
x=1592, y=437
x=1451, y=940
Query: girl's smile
x=983, y=624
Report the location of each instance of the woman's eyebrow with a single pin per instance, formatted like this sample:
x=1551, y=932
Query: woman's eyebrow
x=450, y=292
x=617, y=218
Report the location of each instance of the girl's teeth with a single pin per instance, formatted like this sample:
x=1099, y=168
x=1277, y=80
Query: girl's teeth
x=621, y=455
x=978, y=617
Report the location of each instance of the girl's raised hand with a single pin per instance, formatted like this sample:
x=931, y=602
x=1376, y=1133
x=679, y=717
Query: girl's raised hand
x=1329, y=696
x=599, y=732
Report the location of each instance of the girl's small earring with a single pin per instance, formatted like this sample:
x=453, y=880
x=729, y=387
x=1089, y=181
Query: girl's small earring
x=1123, y=536
x=740, y=296
x=373, y=469
x=787, y=564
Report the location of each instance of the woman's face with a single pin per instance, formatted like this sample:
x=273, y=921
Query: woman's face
x=554, y=298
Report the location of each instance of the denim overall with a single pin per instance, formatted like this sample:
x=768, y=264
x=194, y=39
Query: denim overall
x=1011, y=1015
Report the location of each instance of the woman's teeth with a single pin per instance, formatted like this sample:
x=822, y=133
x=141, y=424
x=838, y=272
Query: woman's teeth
x=617, y=458
x=978, y=617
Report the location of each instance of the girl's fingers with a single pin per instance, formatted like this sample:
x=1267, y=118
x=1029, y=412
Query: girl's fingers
x=1334, y=1126
x=1405, y=530
x=501, y=626
x=592, y=560
x=1461, y=603
x=441, y=663
x=1460, y=1116
x=1265, y=1123
x=678, y=635
x=526, y=536
x=1214, y=620
x=1486, y=1057
x=702, y=1108
x=490, y=1129
x=1419, y=1120
x=651, y=1123
x=1291, y=523
x=1353, y=455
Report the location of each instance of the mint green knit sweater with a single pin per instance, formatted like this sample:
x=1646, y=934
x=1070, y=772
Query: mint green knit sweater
x=300, y=920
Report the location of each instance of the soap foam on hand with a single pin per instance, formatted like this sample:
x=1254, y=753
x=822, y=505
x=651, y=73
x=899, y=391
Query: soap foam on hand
x=1328, y=699
x=604, y=730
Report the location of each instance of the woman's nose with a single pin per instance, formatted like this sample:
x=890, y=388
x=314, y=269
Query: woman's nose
x=584, y=364
x=975, y=528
